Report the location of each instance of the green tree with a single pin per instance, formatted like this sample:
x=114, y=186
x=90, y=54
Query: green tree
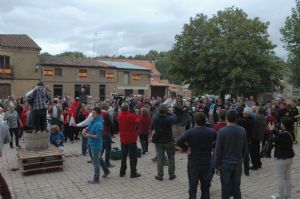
x=291, y=38
x=72, y=54
x=227, y=53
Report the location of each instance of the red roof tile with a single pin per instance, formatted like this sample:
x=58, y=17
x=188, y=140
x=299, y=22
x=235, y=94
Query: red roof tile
x=73, y=62
x=17, y=41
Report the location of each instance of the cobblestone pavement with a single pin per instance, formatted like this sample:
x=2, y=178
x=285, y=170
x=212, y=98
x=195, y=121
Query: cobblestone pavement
x=72, y=181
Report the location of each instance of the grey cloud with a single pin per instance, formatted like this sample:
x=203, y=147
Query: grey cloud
x=124, y=27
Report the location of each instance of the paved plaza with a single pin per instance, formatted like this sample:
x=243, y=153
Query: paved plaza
x=72, y=181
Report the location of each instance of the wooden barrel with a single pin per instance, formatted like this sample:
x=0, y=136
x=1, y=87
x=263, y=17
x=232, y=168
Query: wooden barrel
x=36, y=142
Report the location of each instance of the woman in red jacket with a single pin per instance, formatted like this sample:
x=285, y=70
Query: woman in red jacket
x=144, y=129
x=69, y=120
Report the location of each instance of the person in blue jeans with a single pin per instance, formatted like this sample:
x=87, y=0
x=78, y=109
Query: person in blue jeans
x=199, y=142
x=231, y=148
x=94, y=135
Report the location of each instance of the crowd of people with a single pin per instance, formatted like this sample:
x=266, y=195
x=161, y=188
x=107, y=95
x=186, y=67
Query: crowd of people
x=221, y=137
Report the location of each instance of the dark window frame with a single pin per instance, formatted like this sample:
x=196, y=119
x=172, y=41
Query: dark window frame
x=56, y=73
x=4, y=61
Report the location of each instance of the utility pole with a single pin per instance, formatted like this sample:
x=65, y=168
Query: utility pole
x=95, y=35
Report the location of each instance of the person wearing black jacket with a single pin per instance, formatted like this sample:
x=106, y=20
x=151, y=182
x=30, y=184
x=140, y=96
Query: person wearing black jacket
x=247, y=122
x=163, y=139
x=283, y=154
x=200, y=143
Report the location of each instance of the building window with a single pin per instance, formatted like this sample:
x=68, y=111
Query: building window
x=4, y=61
x=296, y=91
x=5, y=91
x=141, y=92
x=57, y=90
x=83, y=73
x=128, y=92
x=126, y=78
x=102, y=92
x=78, y=89
x=58, y=72
x=102, y=74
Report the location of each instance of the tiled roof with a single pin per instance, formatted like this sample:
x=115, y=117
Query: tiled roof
x=143, y=63
x=159, y=83
x=17, y=41
x=124, y=65
x=72, y=62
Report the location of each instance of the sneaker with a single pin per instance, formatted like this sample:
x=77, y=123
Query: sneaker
x=11, y=146
x=106, y=174
x=89, y=161
x=172, y=177
x=136, y=175
x=122, y=174
x=159, y=178
x=246, y=172
x=93, y=181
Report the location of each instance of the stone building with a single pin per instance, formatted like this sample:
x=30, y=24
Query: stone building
x=18, y=64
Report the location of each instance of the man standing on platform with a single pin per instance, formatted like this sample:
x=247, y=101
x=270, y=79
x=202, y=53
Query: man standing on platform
x=38, y=99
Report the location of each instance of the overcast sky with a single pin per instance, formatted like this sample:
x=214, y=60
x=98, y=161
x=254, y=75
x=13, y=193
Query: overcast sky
x=126, y=27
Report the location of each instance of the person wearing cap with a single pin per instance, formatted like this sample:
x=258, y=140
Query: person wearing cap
x=163, y=140
x=38, y=98
x=57, y=138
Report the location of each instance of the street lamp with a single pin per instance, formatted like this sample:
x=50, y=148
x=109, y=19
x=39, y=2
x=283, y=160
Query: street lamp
x=272, y=78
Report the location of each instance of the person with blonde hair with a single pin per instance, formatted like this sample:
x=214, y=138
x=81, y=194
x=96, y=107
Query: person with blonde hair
x=57, y=137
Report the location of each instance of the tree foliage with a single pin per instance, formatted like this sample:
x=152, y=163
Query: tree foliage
x=227, y=53
x=291, y=38
x=72, y=54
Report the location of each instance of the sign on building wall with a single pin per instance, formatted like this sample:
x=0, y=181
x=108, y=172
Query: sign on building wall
x=6, y=71
x=136, y=77
x=109, y=75
x=48, y=72
x=83, y=73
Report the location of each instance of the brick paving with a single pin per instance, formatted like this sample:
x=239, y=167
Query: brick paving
x=72, y=181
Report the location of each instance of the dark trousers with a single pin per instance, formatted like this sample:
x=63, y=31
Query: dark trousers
x=68, y=132
x=39, y=118
x=267, y=145
x=4, y=190
x=132, y=150
x=107, y=149
x=231, y=180
x=161, y=149
x=247, y=160
x=198, y=172
x=255, y=153
x=144, y=142
x=84, y=146
x=14, y=131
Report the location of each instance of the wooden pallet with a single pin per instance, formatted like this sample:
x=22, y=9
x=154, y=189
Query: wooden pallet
x=40, y=161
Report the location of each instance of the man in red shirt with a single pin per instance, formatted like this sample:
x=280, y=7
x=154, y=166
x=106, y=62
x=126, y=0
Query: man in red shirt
x=128, y=136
